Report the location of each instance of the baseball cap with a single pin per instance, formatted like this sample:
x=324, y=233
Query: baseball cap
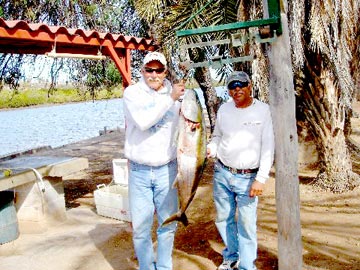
x=240, y=76
x=155, y=56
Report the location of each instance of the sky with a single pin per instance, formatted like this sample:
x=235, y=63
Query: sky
x=39, y=72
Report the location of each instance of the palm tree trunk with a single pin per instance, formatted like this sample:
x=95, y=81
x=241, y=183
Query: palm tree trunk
x=212, y=102
x=336, y=167
x=203, y=78
x=327, y=120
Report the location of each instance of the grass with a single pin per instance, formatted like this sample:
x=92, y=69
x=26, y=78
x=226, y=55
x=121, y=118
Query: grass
x=26, y=97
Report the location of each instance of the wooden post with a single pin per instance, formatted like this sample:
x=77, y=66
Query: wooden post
x=282, y=103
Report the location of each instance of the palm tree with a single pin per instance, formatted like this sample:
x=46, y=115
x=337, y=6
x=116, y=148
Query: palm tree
x=323, y=39
x=322, y=55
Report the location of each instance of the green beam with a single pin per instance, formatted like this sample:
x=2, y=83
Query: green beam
x=274, y=11
x=273, y=8
x=218, y=63
x=229, y=26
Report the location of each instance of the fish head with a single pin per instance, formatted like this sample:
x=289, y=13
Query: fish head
x=191, y=107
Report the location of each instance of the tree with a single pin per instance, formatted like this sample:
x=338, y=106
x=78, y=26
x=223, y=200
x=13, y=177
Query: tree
x=325, y=60
x=323, y=36
x=101, y=15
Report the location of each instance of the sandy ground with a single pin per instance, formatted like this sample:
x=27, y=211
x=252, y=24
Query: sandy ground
x=330, y=224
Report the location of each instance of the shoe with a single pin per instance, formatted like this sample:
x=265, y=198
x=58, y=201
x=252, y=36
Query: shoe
x=228, y=265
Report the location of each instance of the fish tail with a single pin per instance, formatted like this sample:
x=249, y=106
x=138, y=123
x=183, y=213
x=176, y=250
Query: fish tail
x=184, y=220
x=170, y=219
x=176, y=217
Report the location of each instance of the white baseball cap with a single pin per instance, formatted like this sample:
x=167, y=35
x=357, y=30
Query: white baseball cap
x=155, y=56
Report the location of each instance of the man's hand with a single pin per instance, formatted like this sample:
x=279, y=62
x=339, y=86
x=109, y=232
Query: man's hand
x=208, y=152
x=256, y=189
x=178, y=90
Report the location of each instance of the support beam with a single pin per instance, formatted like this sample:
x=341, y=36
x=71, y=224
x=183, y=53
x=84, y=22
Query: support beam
x=228, y=27
x=282, y=104
x=122, y=62
x=75, y=55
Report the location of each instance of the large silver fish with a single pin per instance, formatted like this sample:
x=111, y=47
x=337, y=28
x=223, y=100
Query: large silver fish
x=191, y=153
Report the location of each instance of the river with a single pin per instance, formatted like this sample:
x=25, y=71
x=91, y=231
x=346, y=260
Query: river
x=34, y=127
x=58, y=125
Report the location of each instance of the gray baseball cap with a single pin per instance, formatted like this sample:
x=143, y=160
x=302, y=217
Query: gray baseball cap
x=240, y=76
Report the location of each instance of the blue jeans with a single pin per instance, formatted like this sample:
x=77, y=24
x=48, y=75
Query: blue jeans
x=150, y=191
x=231, y=193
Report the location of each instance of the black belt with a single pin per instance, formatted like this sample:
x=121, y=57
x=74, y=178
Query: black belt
x=237, y=171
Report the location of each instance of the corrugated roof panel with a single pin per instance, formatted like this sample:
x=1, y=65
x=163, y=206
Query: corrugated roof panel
x=40, y=27
x=21, y=37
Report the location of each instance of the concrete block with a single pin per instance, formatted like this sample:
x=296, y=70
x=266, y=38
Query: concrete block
x=36, y=209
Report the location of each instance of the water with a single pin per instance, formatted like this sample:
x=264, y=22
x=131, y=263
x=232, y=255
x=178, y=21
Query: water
x=30, y=128
x=24, y=129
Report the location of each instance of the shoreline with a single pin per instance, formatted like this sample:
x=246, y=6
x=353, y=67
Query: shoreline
x=48, y=148
x=55, y=104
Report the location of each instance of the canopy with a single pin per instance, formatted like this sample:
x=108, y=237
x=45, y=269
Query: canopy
x=21, y=37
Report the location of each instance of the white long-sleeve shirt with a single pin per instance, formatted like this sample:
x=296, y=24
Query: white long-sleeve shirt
x=151, y=120
x=244, y=138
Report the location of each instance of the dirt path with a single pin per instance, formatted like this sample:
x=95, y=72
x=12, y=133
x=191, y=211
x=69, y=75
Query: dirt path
x=87, y=241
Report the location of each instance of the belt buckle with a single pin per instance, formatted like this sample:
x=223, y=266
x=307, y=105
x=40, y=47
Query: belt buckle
x=233, y=170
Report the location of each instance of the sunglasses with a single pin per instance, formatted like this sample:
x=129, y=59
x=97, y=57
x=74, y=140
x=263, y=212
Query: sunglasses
x=157, y=70
x=235, y=84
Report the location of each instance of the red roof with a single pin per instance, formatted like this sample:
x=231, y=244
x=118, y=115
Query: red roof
x=21, y=37
x=38, y=38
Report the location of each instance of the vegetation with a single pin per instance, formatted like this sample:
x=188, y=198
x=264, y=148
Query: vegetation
x=111, y=16
x=28, y=96
x=324, y=46
x=324, y=41
x=25, y=98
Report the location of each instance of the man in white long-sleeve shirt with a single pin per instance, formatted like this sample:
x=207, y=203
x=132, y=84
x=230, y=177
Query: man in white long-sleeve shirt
x=243, y=142
x=151, y=110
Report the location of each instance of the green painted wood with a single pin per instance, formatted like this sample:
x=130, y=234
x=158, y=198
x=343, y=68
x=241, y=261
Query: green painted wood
x=274, y=12
x=217, y=63
x=228, y=27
